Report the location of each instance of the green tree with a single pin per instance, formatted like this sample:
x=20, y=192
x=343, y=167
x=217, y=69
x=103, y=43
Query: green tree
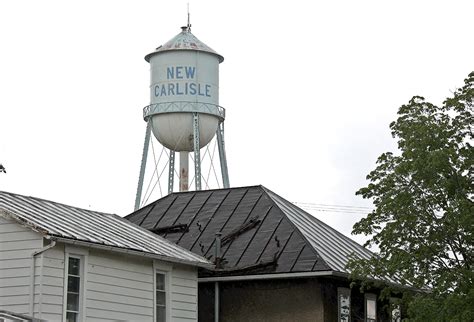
x=423, y=219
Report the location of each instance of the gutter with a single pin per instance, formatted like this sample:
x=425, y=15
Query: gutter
x=208, y=265
x=270, y=276
x=298, y=275
x=32, y=272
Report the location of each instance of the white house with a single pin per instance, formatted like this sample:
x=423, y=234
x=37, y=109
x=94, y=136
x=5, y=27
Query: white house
x=61, y=263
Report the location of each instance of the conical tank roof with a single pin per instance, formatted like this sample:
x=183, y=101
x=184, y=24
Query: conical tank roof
x=185, y=40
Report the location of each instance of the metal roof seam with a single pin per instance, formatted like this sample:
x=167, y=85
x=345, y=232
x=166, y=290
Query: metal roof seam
x=227, y=220
x=44, y=208
x=320, y=245
x=86, y=226
x=182, y=210
x=87, y=217
x=152, y=206
x=22, y=208
x=337, y=235
x=286, y=243
x=164, y=213
x=338, y=261
x=269, y=193
x=296, y=259
x=205, y=264
x=210, y=218
x=253, y=236
x=5, y=213
x=195, y=215
x=248, y=215
x=166, y=242
x=324, y=247
x=269, y=239
x=168, y=246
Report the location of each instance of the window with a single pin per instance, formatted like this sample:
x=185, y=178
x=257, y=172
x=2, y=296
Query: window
x=73, y=289
x=370, y=308
x=160, y=297
x=344, y=304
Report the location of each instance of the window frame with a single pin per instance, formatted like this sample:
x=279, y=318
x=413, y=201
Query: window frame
x=343, y=291
x=165, y=291
x=80, y=311
x=83, y=254
x=370, y=297
x=164, y=269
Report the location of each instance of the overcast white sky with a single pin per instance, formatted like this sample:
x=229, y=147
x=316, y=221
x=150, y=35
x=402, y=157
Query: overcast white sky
x=310, y=88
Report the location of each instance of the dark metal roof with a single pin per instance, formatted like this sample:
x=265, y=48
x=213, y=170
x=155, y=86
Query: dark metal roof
x=67, y=223
x=262, y=233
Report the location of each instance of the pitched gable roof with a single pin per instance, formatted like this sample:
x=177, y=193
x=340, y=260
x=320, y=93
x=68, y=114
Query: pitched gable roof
x=92, y=228
x=262, y=233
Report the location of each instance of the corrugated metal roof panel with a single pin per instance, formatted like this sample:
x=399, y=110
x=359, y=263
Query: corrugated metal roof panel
x=59, y=220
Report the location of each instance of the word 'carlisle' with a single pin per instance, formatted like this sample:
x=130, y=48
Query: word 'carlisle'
x=185, y=87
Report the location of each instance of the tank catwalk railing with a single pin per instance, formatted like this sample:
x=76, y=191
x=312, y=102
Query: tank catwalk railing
x=184, y=107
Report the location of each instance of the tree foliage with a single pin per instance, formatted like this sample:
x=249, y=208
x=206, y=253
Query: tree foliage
x=423, y=219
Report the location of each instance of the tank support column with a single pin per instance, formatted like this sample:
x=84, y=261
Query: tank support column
x=183, y=171
x=171, y=173
x=197, y=153
x=138, y=197
x=222, y=157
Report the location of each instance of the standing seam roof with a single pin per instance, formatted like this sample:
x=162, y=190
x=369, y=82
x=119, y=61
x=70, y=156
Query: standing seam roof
x=300, y=242
x=334, y=247
x=62, y=221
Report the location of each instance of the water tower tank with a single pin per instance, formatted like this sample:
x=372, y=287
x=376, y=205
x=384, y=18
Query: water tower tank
x=184, y=81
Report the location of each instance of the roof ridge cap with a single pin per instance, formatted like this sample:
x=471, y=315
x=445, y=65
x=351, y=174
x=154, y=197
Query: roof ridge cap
x=268, y=192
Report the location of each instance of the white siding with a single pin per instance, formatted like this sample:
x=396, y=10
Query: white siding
x=184, y=293
x=49, y=284
x=17, y=244
x=118, y=287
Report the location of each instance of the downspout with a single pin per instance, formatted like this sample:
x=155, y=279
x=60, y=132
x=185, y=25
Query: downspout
x=32, y=272
x=216, y=284
x=216, y=301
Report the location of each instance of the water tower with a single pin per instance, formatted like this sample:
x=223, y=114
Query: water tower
x=184, y=113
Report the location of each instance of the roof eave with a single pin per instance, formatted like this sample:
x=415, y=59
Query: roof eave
x=131, y=252
x=157, y=52
x=271, y=276
x=28, y=224
x=21, y=221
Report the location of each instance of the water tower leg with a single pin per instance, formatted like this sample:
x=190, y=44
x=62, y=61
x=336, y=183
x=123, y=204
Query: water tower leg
x=222, y=157
x=183, y=171
x=197, y=152
x=138, y=197
x=171, y=173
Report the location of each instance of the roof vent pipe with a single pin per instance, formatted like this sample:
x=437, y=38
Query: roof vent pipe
x=218, y=260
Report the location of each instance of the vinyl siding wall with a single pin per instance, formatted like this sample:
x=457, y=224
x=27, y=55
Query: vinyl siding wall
x=184, y=294
x=116, y=286
x=49, y=284
x=17, y=244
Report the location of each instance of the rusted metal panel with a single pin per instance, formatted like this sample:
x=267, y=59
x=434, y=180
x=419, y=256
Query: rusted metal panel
x=80, y=225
